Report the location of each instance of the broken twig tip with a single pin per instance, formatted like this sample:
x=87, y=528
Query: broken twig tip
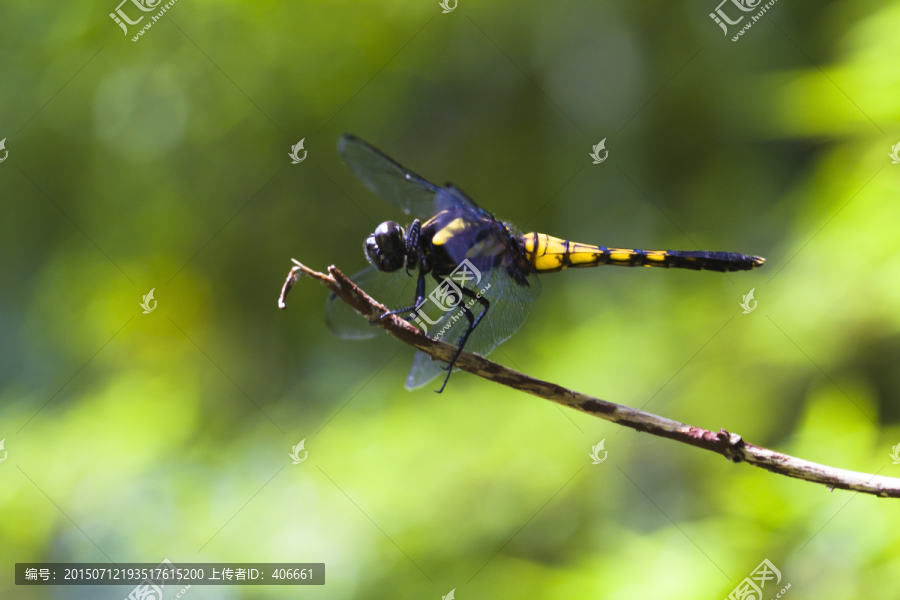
x=292, y=278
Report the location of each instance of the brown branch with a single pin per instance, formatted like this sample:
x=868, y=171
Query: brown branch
x=730, y=445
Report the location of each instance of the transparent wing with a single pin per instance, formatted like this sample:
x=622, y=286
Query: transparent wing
x=450, y=197
x=423, y=371
x=388, y=179
x=394, y=290
x=510, y=303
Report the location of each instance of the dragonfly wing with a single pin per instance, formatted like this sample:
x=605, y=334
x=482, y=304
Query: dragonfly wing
x=510, y=304
x=423, y=371
x=450, y=197
x=394, y=290
x=388, y=179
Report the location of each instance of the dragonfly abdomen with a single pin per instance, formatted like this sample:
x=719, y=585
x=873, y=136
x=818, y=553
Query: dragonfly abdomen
x=548, y=254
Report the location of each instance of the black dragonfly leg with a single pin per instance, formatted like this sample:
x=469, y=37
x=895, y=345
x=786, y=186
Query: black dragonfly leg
x=473, y=323
x=420, y=300
x=412, y=245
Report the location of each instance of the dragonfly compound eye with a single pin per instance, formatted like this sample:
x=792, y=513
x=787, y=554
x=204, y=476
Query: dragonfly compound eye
x=389, y=237
x=386, y=248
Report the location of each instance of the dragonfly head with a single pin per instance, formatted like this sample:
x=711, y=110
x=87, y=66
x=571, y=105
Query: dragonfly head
x=386, y=247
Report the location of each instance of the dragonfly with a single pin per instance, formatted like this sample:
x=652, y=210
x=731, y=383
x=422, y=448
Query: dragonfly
x=460, y=274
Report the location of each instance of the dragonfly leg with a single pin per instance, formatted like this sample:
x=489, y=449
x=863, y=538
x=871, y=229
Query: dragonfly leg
x=412, y=245
x=473, y=323
x=419, y=301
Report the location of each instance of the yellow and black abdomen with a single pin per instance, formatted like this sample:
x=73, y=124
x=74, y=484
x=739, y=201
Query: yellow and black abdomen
x=548, y=254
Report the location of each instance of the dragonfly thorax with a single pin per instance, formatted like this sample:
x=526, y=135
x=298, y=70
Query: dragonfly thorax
x=386, y=247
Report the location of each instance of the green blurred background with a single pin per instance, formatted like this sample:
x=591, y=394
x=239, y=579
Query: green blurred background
x=163, y=164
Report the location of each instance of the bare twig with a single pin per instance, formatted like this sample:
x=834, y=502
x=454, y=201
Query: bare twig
x=730, y=445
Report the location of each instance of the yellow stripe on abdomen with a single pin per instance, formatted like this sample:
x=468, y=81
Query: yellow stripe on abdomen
x=548, y=254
